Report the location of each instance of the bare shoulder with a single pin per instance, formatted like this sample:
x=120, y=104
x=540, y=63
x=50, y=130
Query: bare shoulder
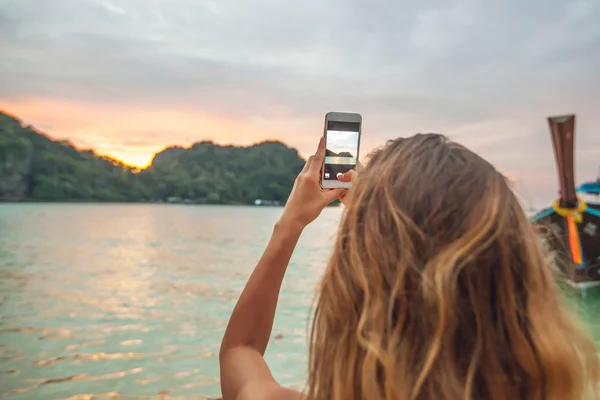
x=269, y=392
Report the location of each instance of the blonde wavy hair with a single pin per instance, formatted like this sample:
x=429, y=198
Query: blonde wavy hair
x=438, y=289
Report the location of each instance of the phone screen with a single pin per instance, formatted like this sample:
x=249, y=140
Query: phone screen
x=342, y=148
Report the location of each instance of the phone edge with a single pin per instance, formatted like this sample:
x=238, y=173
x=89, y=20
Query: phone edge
x=345, y=117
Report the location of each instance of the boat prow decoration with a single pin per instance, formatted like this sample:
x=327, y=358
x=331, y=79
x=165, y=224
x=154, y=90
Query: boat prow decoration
x=574, y=224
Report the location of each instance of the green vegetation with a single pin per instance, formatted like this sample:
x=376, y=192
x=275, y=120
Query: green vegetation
x=36, y=168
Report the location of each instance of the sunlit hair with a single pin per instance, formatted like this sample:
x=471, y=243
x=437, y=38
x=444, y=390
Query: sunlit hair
x=438, y=289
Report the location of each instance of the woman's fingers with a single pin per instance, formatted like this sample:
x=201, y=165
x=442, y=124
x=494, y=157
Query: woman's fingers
x=329, y=196
x=317, y=162
x=308, y=164
x=347, y=176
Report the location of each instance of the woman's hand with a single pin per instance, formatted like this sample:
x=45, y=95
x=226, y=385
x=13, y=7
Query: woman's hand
x=308, y=199
x=349, y=176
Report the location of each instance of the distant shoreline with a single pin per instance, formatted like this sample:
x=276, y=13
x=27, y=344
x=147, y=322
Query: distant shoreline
x=97, y=202
x=131, y=202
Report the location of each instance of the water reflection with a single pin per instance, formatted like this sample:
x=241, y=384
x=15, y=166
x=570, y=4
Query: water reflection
x=134, y=298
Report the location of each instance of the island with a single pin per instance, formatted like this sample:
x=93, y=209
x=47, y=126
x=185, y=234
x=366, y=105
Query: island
x=35, y=167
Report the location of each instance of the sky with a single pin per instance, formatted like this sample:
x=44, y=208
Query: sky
x=342, y=142
x=130, y=77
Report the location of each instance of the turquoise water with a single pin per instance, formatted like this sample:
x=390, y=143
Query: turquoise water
x=133, y=299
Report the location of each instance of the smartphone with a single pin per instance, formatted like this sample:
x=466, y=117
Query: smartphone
x=342, y=140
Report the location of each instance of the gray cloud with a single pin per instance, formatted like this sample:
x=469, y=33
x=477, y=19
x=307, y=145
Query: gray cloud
x=487, y=73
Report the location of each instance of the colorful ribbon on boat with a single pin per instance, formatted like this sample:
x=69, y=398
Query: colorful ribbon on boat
x=574, y=217
x=574, y=242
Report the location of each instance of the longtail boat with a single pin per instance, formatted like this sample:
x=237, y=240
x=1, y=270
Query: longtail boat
x=574, y=235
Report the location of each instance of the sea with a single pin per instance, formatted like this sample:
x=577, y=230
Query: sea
x=132, y=299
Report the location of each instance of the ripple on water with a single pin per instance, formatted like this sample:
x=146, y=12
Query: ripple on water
x=132, y=300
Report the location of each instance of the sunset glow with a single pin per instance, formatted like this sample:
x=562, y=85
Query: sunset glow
x=134, y=134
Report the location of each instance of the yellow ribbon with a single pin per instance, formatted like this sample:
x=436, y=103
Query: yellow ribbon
x=574, y=212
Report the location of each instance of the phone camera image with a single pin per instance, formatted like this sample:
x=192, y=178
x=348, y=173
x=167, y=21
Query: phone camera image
x=341, y=153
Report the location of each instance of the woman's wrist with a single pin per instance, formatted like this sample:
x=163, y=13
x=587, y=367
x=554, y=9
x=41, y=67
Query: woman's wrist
x=288, y=226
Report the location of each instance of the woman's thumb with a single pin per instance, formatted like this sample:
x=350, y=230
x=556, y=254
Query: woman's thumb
x=347, y=176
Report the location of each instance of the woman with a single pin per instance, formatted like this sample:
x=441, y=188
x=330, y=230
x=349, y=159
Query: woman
x=437, y=289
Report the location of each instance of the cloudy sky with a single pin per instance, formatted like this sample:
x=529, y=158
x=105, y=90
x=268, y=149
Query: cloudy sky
x=128, y=77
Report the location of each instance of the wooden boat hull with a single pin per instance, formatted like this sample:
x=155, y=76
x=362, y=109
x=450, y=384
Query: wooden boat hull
x=575, y=240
